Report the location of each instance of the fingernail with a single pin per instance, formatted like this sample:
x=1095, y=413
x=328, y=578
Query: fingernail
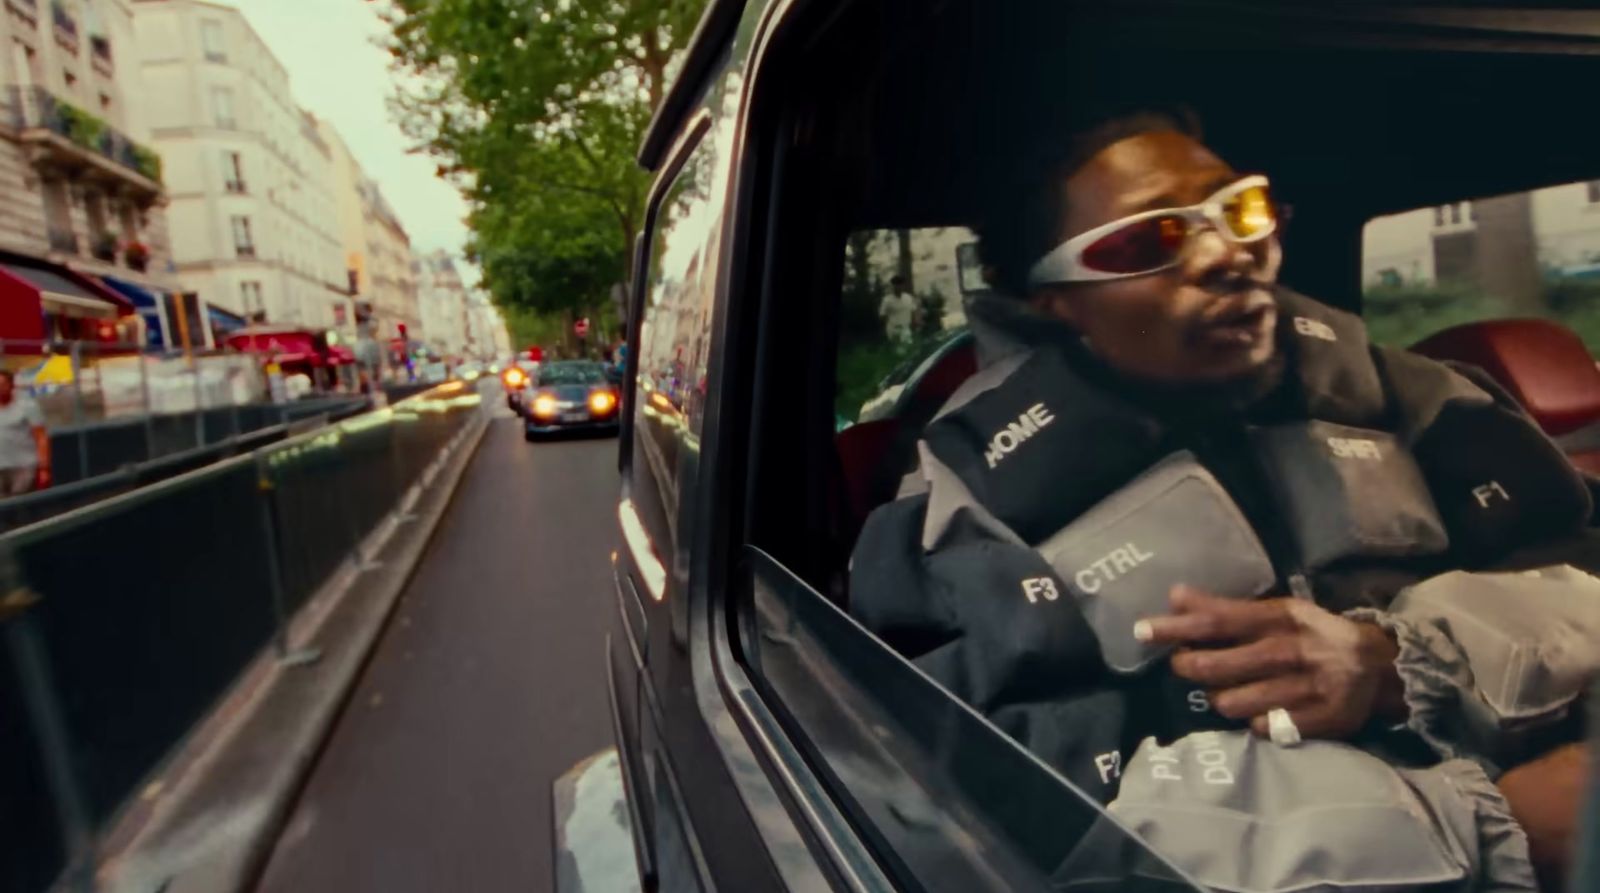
x=1143, y=631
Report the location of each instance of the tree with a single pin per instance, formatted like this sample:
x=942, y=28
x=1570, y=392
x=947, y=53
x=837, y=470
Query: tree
x=535, y=109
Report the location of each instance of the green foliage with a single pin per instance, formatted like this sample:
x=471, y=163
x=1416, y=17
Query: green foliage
x=81, y=127
x=863, y=291
x=867, y=368
x=535, y=109
x=147, y=162
x=1402, y=315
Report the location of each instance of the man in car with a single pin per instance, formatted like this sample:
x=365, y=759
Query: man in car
x=1180, y=502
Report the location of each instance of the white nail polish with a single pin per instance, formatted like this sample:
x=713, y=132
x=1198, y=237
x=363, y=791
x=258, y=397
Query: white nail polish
x=1142, y=631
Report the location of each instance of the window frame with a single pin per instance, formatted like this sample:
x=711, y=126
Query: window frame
x=222, y=102
x=233, y=172
x=758, y=261
x=240, y=224
x=213, y=40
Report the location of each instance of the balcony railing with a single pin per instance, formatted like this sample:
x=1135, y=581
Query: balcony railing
x=28, y=9
x=37, y=108
x=63, y=240
x=66, y=26
x=235, y=186
x=245, y=251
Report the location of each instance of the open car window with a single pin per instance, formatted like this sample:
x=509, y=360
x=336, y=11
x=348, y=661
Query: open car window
x=865, y=334
x=900, y=303
x=1525, y=254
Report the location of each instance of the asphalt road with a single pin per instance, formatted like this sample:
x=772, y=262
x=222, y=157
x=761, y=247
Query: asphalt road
x=487, y=684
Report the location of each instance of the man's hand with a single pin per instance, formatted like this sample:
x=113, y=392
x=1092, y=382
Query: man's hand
x=1333, y=675
x=1546, y=796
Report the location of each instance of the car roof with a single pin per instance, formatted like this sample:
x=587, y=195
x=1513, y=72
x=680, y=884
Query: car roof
x=1559, y=26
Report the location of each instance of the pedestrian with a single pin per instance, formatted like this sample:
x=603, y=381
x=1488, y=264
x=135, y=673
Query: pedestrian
x=24, y=443
x=899, y=312
x=1198, y=545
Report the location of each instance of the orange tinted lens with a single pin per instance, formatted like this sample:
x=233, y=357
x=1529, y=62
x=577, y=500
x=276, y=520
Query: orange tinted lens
x=1250, y=214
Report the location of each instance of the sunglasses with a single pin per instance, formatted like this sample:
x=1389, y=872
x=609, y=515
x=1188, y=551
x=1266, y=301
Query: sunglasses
x=1241, y=212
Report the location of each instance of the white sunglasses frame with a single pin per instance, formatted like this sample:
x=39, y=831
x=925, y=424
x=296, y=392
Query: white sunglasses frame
x=1064, y=265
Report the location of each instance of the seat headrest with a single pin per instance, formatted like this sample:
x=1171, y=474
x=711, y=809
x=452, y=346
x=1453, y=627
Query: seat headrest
x=1543, y=364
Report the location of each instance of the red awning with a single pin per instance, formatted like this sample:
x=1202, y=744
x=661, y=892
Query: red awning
x=31, y=288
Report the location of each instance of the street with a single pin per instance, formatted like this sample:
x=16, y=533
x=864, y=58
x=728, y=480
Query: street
x=487, y=683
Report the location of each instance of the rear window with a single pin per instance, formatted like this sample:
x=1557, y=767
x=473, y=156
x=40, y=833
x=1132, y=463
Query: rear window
x=1527, y=254
x=571, y=373
x=902, y=301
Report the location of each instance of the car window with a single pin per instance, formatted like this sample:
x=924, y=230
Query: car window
x=923, y=565
x=901, y=301
x=571, y=373
x=1525, y=254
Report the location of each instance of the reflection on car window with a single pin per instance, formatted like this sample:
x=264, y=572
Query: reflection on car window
x=1533, y=253
x=674, y=333
x=901, y=301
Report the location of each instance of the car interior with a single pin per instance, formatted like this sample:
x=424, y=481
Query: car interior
x=1356, y=111
x=1353, y=114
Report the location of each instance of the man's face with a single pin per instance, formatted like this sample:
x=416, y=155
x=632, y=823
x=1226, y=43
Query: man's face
x=1210, y=319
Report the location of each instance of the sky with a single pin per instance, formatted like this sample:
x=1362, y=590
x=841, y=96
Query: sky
x=338, y=74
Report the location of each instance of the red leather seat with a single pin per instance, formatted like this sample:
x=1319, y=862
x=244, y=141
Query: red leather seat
x=874, y=455
x=1545, y=365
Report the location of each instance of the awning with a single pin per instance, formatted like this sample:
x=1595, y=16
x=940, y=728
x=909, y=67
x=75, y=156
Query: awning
x=67, y=293
x=143, y=298
x=30, y=288
x=223, y=321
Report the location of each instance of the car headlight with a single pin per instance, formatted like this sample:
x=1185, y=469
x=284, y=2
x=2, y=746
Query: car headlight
x=544, y=405
x=515, y=377
x=602, y=402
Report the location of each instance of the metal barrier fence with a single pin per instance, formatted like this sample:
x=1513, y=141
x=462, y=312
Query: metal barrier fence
x=110, y=404
x=104, y=447
x=124, y=622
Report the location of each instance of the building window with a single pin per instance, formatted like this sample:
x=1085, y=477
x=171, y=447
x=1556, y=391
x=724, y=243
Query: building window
x=250, y=296
x=243, y=244
x=222, y=105
x=70, y=78
x=1593, y=187
x=105, y=102
x=211, y=41
x=1455, y=213
x=233, y=172
x=1438, y=216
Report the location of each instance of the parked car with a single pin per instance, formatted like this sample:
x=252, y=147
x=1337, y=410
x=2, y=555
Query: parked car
x=764, y=741
x=569, y=395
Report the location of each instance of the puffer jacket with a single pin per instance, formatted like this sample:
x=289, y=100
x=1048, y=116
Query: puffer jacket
x=1055, y=504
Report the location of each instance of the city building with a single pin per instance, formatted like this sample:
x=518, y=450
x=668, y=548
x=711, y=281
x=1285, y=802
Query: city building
x=1507, y=245
x=389, y=265
x=378, y=260
x=82, y=186
x=251, y=178
x=487, y=338
x=444, y=306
